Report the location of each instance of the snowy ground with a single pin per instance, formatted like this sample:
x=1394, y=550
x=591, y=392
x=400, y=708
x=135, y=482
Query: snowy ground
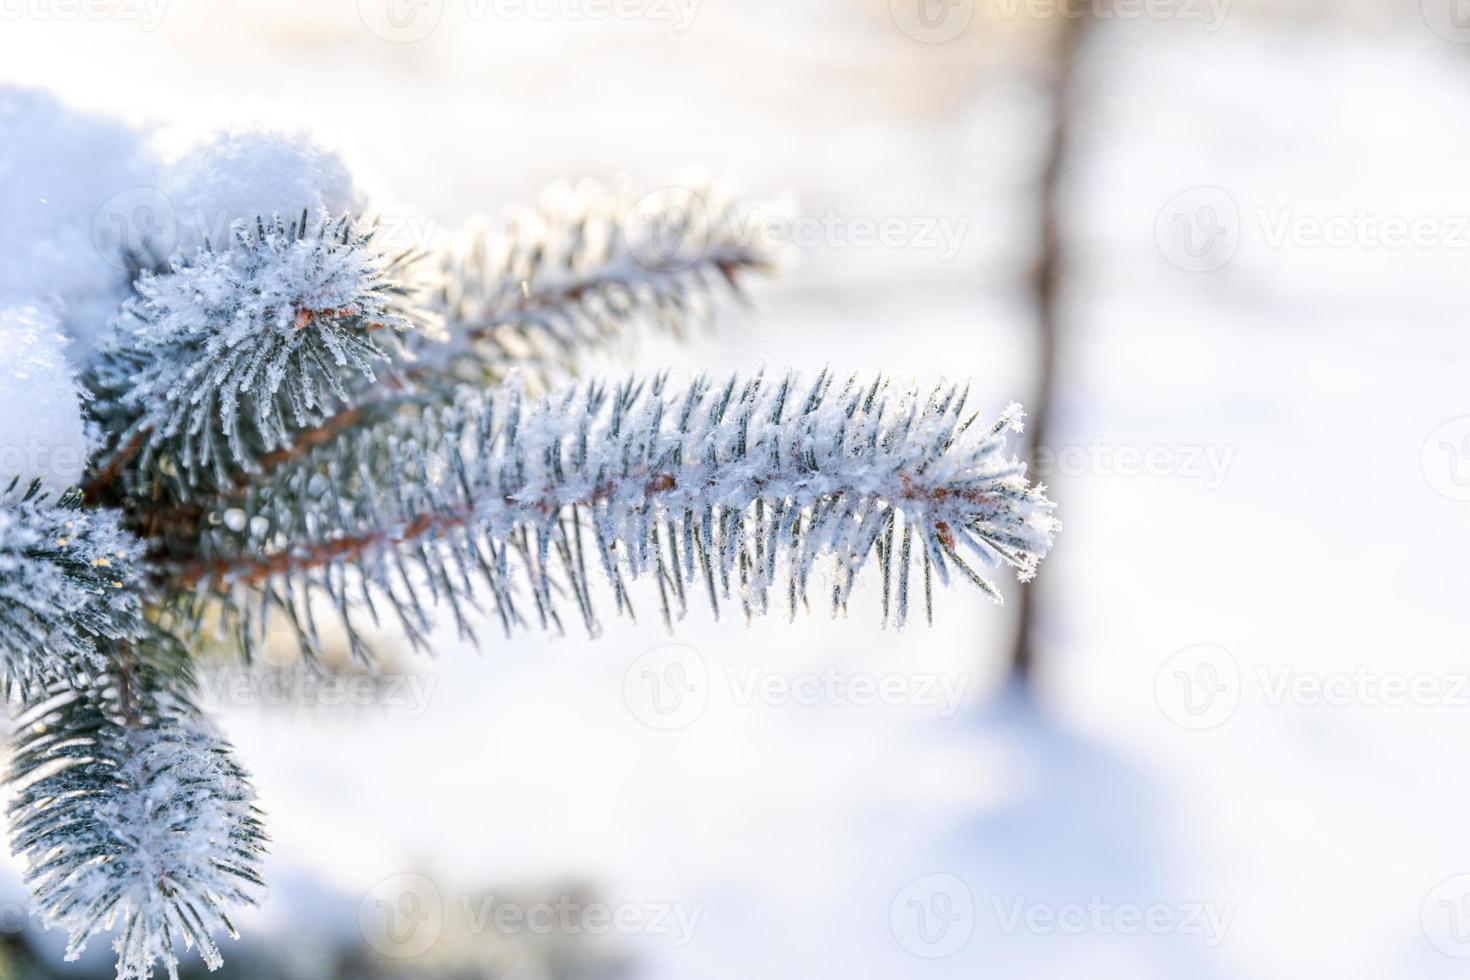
x=1297, y=507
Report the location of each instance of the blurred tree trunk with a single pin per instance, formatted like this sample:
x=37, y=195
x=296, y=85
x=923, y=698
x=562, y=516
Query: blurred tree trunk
x=1047, y=285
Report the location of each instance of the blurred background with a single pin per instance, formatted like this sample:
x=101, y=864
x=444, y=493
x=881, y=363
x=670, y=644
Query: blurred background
x=1217, y=247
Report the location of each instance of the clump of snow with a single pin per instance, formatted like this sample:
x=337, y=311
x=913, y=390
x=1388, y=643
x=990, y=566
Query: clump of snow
x=42, y=435
x=240, y=175
x=80, y=191
x=88, y=200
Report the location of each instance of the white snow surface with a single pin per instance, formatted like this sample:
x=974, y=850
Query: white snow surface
x=74, y=183
x=87, y=195
x=254, y=171
x=42, y=435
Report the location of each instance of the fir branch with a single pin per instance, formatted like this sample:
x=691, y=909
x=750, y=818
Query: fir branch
x=727, y=489
x=586, y=268
x=274, y=441
x=128, y=807
x=228, y=354
x=131, y=815
x=68, y=581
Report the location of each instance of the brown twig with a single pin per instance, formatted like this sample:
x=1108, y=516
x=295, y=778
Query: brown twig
x=256, y=569
x=729, y=265
x=96, y=488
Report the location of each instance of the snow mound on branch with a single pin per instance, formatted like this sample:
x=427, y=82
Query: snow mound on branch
x=240, y=175
x=88, y=200
x=42, y=435
x=78, y=188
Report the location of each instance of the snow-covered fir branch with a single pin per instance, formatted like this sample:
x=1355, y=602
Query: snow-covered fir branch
x=588, y=267
x=129, y=812
x=278, y=420
x=266, y=339
x=68, y=581
x=224, y=356
x=132, y=816
x=753, y=492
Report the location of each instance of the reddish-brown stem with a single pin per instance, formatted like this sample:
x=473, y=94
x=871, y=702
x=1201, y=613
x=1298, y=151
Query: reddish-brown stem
x=572, y=294
x=256, y=569
x=96, y=487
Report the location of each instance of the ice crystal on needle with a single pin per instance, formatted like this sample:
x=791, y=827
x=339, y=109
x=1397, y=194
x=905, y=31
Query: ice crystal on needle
x=64, y=574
